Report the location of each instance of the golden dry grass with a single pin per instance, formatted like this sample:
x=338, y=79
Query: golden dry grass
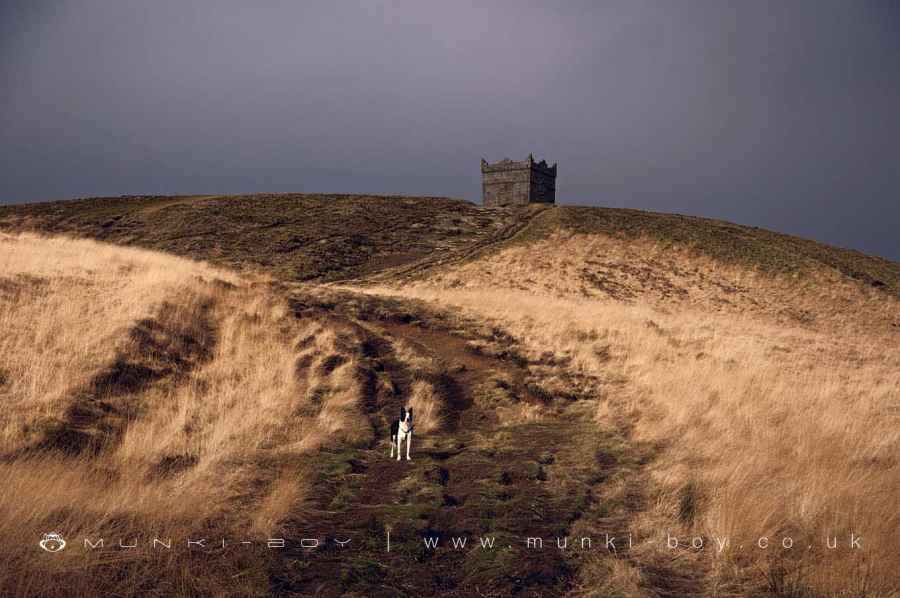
x=65, y=307
x=188, y=443
x=771, y=401
x=426, y=407
x=425, y=401
x=647, y=271
x=768, y=422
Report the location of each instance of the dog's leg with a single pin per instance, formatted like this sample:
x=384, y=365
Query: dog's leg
x=393, y=440
x=399, y=446
x=408, y=442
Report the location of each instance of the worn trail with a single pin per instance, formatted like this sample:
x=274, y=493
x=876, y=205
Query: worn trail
x=479, y=478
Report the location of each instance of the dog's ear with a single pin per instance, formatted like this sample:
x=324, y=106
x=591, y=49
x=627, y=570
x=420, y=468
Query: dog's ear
x=402, y=413
x=410, y=412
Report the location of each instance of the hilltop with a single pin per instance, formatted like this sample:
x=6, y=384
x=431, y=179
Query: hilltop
x=313, y=237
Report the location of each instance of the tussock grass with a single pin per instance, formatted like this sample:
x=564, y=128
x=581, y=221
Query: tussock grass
x=65, y=308
x=426, y=406
x=727, y=243
x=196, y=381
x=648, y=271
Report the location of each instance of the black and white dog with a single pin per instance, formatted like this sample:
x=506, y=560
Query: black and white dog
x=402, y=429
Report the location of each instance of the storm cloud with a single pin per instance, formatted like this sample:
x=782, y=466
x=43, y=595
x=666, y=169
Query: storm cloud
x=778, y=114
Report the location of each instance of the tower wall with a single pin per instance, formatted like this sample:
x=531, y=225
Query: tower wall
x=510, y=182
x=543, y=187
x=505, y=186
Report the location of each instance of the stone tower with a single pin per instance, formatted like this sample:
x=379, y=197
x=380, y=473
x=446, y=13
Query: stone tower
x=508, y=182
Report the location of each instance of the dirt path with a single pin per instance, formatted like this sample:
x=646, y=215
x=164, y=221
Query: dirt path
x=480, y=477
x=175, y=201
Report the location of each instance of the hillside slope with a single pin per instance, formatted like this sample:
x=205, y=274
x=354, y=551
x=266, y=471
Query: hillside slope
x=295, y=237
x=574, y=371
x=726, y=242
x=201, y=402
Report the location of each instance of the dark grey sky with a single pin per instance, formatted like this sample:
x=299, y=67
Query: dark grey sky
x=779, y=114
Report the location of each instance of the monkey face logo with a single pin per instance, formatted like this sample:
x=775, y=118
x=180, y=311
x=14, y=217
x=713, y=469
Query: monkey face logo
x=52, y=542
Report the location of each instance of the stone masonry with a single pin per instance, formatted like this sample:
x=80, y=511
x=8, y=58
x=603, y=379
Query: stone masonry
x=509, y=182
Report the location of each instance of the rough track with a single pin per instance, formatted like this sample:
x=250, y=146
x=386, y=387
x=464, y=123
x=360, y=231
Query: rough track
x=478, y=477
x=515, y=220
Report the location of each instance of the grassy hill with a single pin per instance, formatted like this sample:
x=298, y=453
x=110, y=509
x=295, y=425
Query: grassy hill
x=296, y=237
x=726, y=242
x=574, y=371
x=336, y=237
